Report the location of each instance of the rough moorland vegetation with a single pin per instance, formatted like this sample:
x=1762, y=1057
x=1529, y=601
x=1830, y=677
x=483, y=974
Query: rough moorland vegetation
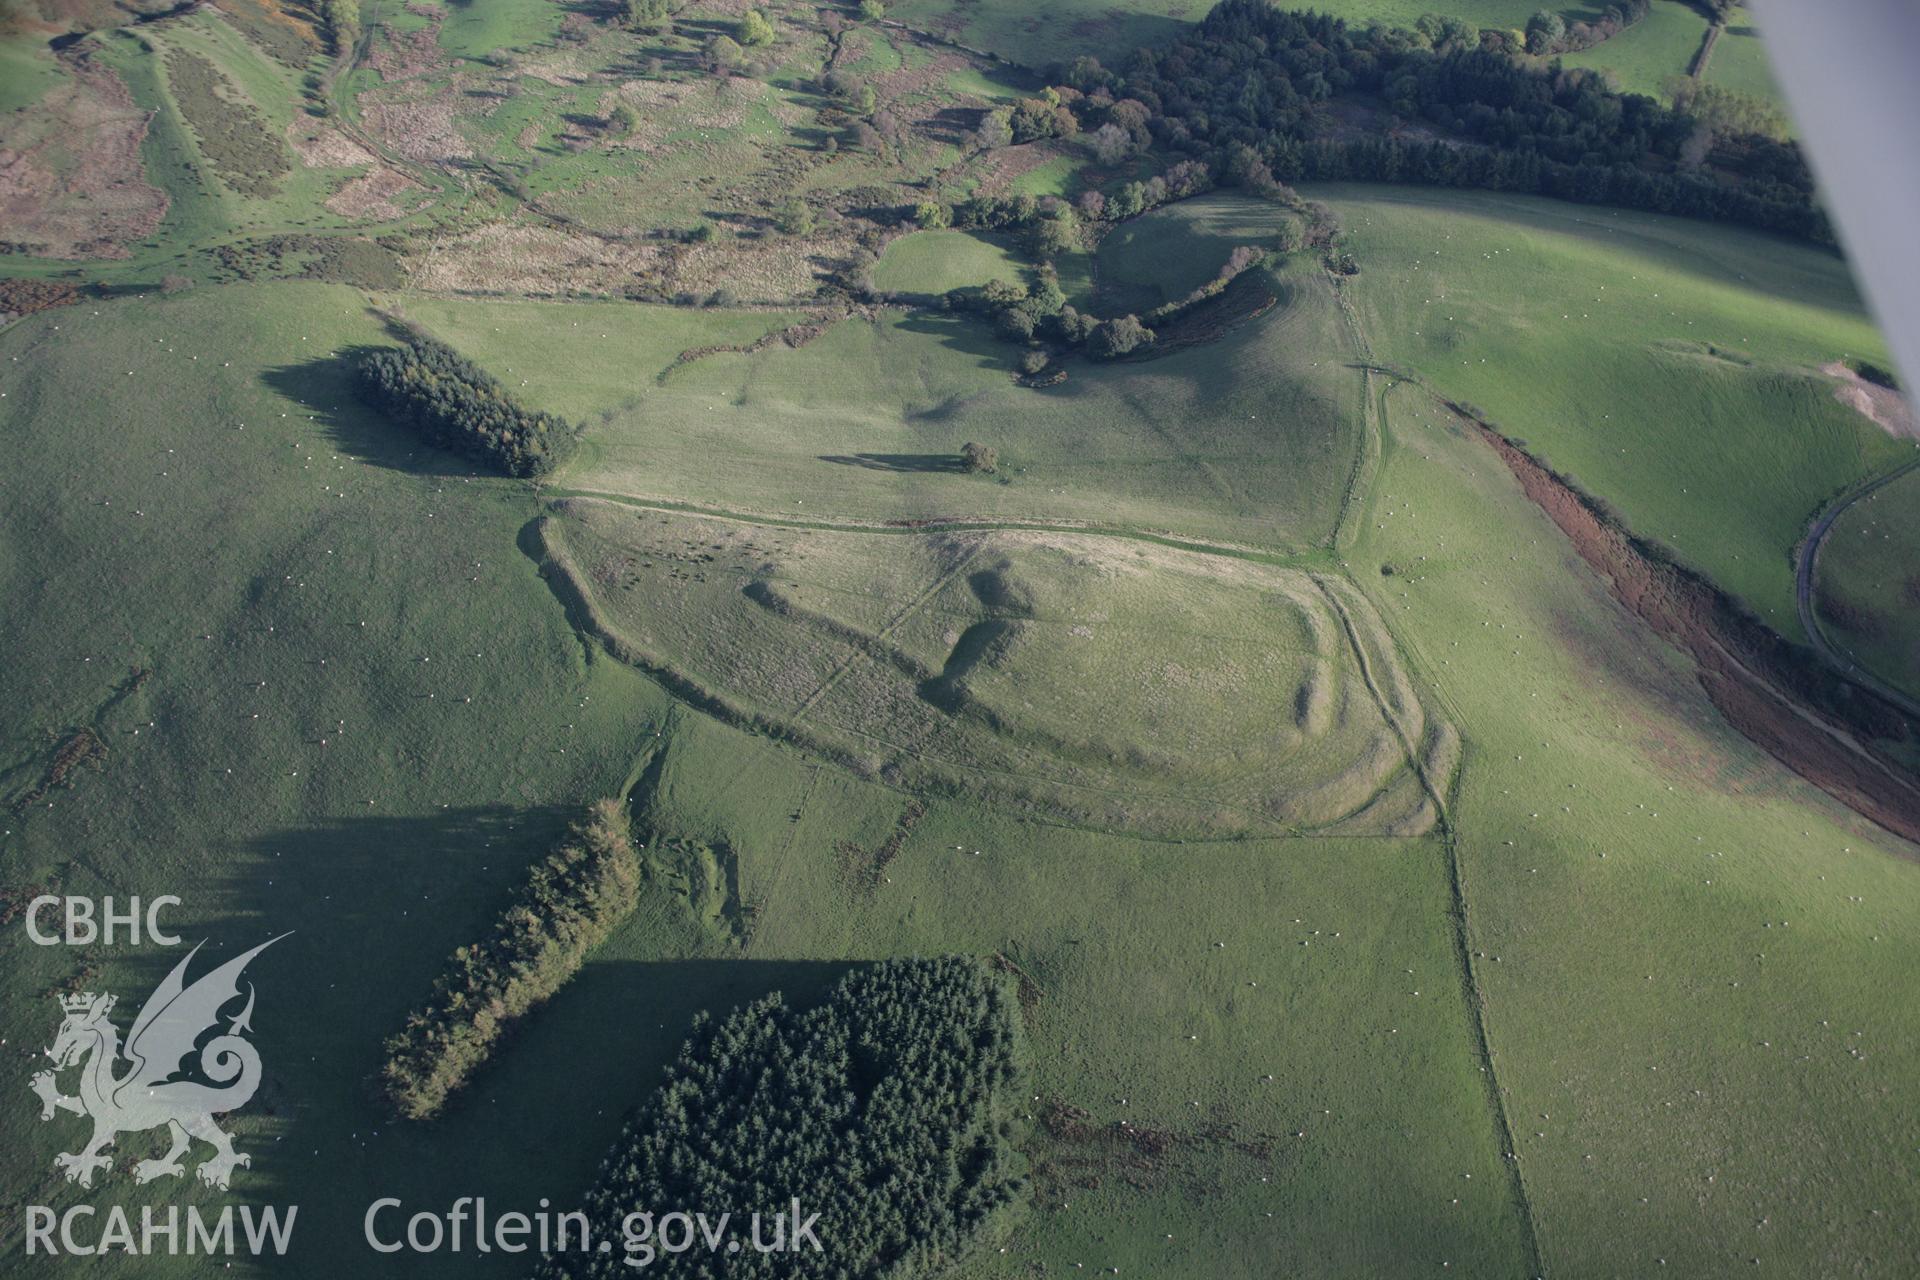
x=571, y=901
x=455, y=404
x=888, y=1110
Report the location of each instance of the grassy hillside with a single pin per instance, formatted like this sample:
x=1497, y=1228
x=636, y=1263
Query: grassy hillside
x=1382, y=899
x=1691, y=962
x=1162, y=256
x=1740, y=62
x=385, y=816
x=1164, y=981
x=1248, y=439
x=332, y=695
x=27, y=71
x=1669, y=367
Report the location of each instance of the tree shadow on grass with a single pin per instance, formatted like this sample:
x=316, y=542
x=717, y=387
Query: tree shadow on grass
x=945, y=463
x=379, y=905
x=568, y=1075
x=972, y=335
x=365, y=911
x=326, y=388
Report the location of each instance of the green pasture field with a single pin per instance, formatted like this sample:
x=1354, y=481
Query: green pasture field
x=1669, y=367
x=1383, y=899
x=933, y=262
x=1691, y=961
x=1643, y=56
x=1740, y=61
x=27, y=72
x=1868, y=590
x=480, y=27
x=1246, y=439
x=272, y=611
x=383, y=816
x=1054, y=178
x=1168, y=979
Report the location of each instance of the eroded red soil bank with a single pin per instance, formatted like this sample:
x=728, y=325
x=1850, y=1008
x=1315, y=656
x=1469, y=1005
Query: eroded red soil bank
x=1781, y=696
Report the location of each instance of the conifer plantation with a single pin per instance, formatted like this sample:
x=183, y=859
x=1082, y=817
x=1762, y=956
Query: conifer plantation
x=888, y=1111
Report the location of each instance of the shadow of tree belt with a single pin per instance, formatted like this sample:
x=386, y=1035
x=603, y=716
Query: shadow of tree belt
x=927, y=462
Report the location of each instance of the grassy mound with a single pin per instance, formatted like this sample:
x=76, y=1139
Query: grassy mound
x=1160, y=257
x=329, y=694
x=1103, y=681
x=1690, y=961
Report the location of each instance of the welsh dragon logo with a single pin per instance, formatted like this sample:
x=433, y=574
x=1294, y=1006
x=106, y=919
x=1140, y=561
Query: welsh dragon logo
x=158, y=1085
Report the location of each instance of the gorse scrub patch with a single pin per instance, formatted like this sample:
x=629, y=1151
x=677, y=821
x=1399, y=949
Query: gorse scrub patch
x=457, y=405
x=235, y=139
x=569, y=905
x=888, y=1110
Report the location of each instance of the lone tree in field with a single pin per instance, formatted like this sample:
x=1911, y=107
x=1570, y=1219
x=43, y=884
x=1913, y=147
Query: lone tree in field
x=980, y=459
x=753, y=30
x=724, y=53
x=795, y=217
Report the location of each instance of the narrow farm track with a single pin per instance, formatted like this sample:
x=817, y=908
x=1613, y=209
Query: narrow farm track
x=949, y=524
x=912, y=607
x=1804, y=584
x=1460, y=914
x=1374, y=435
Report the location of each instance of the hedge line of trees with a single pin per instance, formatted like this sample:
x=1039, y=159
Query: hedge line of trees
x=571, y=902
x=1548, y=32
x=1437, y=164
x=1024, y=314
x=888, y=1111
x=455, y=404
x=1246, y=91
x=341, y=18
